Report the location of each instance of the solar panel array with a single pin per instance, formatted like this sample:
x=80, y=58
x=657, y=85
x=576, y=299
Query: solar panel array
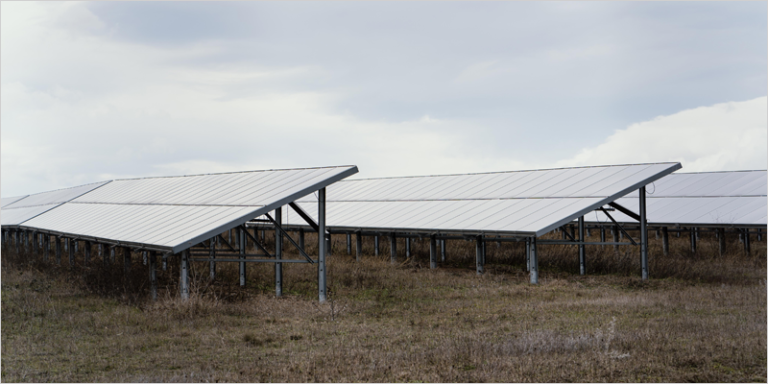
x=702, y=199
x=10, y=200
x=526, y=203
x=24, y=209
x=175, y=213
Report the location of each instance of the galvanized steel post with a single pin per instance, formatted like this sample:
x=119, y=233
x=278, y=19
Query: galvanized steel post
x=407, y=247
x=301, y=239
x=376, y=245
x=112, y=254
x=643, y=235
x=349, y=243
x=442, y=250
x=747, y=249
x=528, y=254
x=58, y=250
x=72, y=252
x=358, y=245
x=432, y=252
x=602, y=236
x=534, y=263
x=35, y=238
x=152, y=275
x=665, y=240
x=582, y=254
x=126, y=259
x=693, y=240
x=87, y=252
x=393, y=248
x=46, y=246
x=615, y=237
x=278, y=252
x=144, y=257
x=321, y=245
x=184, y=278
x=243, y=241
x=479, y=256
x=212, y=255
x=721, y=240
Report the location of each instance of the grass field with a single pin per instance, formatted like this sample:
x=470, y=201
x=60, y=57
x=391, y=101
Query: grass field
x=701, y=317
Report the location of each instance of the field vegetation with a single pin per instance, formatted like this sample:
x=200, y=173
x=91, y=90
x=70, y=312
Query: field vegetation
x=701, y=317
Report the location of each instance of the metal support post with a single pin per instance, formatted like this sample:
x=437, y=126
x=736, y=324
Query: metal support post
x=165, y=262
x=263, y=235
x=46, y=246
x=747, y=250
x=358, y=245
x=26, y=241
x=527, y=254
x=393, y=248
x=152, y=275
x=243, y=241
x=376, y=245
x=72, y=252
x=696, y=231
x=588, y=233
x=693, y=240
x=212, y=263
x=87, y=252
x=479, y=256
x=278, y=252
x=562, y=234
x=58, y=250
x=407, y=247
x=112, y=254
x=349, y=243
x=442, y=250
x=126, y=259
x=602, y=236
x=184, y=278
x=615, y=238
x=582, y=253
x=321, y=245
x=77, y=246
x=301, y=239
x=35, y=239
x=100, y=250
x=534, y=262
x=144, y=258
x=432, y=252
x=643, y=235
x=665, y=240
x=721, y=240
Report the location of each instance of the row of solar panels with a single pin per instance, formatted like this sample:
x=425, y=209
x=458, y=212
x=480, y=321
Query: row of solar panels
x=174, y=213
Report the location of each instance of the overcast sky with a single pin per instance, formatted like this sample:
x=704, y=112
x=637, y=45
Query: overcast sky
x=93, y=91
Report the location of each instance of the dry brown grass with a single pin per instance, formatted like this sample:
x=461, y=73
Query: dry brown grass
x=700, y=318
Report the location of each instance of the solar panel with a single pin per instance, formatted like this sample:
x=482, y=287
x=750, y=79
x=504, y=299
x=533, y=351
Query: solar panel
x=175, y=213
x=21, y=210
x=525, y=203
x=9, y=200
x=702, y=199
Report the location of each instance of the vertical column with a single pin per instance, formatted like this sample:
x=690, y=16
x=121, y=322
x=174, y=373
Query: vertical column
x=72, y=244
x=442, y=250
x=46, y=246
x=184, y=278
x=58, y=250
x=321, y=245
x=165, y=261
x=393, y=248
x=759, y=234
x=100, y=250
x=432, y=252
x=747, y=249
x=301, y=239
x=358, y=245
x=152, y=275
x=112, y=254
x=242, y=245
x=602, y=236
x=643, y=235
x=349, y=243
x=144, y=257
x=534, y=263
x=665, y=240
x=87, y=252
x=26, y=240
x=582, y=253
x=721, y=240
x=528, y=254
x=376, y=245
x=693, y=240
x=407, y=247
x=479, y=257
x=212, y=255
x=278, y=252
x=34, y=241
x=616, y=237
x=126, y=260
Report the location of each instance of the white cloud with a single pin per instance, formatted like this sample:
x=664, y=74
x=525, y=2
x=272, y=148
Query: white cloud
x=726, y=136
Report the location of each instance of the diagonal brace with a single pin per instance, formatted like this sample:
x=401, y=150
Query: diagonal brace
x=226, y=243
x=624, y=210
x=258, y=244
x=303, y=215
x=287, y=236
x=620, y=227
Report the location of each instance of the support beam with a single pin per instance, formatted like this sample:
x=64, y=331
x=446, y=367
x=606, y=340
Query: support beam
x=432, y=252
x=321, y=245
x=349, y=243
x=393, y=248
x=144, y=258
x=442, y=250
x=278, y=252
x=615, y=237
x=153, y=275
x=86, y=252
x=126, y=260
x=184, y=278
x=301, y=238
x=534, y=262
x=479, y=254
x=58, y=250
x=242, y=245
x=582, y=253
x=112, y=254
x=527, y=254
x=665, y=240
x=692, y=233
x=643, y=235
x=602, y=236
x=358, y=245
x=376, y=245
x=212, y=253
x=407, y=247
x=72, y=244
x=747, y=249
x=721, y=240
